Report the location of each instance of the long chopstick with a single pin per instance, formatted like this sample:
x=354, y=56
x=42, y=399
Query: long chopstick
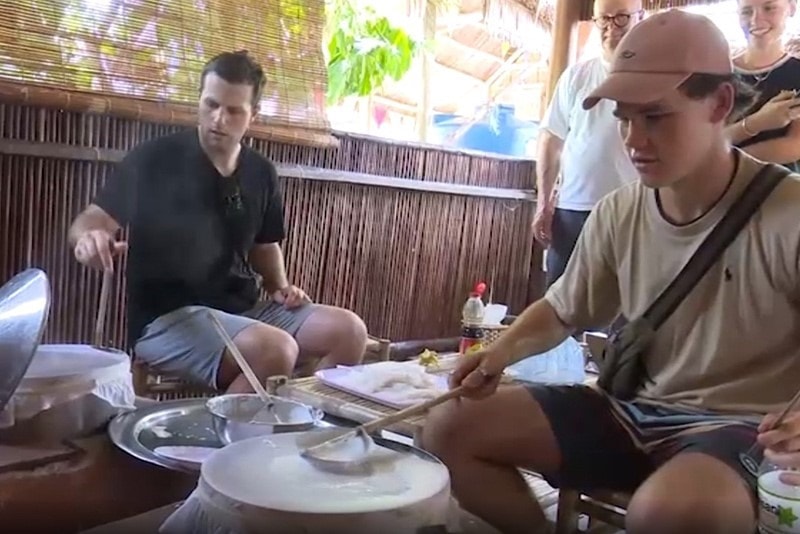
x=102, y=309
x=785, y=412
x=243, y=365
x=387, y=420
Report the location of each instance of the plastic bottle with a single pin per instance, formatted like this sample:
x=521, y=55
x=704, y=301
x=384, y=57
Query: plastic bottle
x=778, y=499
x=472, y=319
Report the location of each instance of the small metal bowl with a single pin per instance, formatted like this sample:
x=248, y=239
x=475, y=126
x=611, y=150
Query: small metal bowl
x=232, y=417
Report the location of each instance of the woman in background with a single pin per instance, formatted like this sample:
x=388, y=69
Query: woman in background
x=770, y=130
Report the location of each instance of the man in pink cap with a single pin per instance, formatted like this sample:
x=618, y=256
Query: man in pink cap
x=713, y=375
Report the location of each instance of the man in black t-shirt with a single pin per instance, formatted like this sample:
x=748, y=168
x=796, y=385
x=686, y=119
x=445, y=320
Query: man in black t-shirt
x=206, y=221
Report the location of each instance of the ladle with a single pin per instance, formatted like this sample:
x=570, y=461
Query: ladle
x=248, y=373
x=342, y=453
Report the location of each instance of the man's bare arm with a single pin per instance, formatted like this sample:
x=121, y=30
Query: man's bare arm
x=737, y=133
x=548, y=165
x=537, y=330
x=781, y=150
x=267, y=260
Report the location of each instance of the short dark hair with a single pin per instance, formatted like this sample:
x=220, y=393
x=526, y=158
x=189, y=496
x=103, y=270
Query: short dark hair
x=702, y=85
x=236, y=67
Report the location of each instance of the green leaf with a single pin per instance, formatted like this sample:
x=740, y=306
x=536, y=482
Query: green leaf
x=363, y=50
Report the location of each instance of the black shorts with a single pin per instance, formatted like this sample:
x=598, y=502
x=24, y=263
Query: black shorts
x=598, y=452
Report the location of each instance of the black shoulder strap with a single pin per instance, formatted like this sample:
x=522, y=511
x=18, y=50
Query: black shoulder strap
x=715, y=243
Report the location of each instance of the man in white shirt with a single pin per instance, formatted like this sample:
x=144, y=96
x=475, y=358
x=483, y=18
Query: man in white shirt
x=583, y=146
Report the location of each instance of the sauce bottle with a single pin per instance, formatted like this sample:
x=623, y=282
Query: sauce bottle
x=472, y=320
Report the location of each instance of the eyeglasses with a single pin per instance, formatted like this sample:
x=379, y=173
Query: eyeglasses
x=620, y=20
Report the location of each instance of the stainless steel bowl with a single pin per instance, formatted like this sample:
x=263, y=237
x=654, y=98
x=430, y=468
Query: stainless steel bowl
x=232, y=417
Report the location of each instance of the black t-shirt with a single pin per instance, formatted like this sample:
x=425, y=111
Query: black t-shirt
x=783, y=77
x=190, y=227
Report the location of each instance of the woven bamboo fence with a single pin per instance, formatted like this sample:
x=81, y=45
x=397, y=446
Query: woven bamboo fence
x=402, y=254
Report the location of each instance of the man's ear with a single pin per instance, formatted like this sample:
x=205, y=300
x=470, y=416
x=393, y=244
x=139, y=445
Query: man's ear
x=724, y=101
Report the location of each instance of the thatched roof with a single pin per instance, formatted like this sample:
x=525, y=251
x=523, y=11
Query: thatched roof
x=484, y=46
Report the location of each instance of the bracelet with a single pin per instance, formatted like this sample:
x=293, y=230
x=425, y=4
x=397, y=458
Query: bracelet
x=746, y=130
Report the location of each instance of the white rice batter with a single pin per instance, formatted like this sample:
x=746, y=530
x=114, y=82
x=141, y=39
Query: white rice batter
x=269, y=473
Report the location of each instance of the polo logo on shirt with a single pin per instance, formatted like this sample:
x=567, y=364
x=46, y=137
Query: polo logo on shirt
x=728, y=274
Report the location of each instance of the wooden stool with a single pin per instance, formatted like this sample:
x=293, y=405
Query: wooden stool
x=604, y=507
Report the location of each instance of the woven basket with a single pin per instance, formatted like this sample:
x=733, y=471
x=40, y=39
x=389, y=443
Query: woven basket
x=491, y=333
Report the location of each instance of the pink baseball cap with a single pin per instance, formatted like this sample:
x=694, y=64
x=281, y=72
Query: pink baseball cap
x=659, y=54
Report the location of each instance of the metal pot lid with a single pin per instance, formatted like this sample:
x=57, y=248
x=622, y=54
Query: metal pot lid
x=24, y=308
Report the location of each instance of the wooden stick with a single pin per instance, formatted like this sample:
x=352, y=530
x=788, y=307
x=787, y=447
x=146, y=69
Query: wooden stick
x=243, y=365
x=411, y=411
x=451, y=186
x=396, y=417
x=786, y=410
x=102, y=308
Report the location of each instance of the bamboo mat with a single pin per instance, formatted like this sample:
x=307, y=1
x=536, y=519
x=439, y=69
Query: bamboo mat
x=339, y=403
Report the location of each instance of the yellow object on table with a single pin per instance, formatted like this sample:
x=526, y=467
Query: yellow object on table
x=428, y=358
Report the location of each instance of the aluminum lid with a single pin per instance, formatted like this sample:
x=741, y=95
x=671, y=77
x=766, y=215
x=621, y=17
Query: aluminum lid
x=24, y=308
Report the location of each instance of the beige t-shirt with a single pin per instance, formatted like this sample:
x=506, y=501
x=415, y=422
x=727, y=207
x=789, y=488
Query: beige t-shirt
x=734, y=343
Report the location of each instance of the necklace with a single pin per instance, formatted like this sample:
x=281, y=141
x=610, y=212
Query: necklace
x=759, y=75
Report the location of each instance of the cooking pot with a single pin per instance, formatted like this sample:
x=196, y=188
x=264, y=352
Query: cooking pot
x=262, y=484
x=233, y=416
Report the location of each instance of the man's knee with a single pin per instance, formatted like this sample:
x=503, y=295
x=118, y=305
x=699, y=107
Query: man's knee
x=349, y=336
x=261, y=344
x=358, y=334
x=351, y=327
x=507, y=428
x=444, y=425
x=692, y=493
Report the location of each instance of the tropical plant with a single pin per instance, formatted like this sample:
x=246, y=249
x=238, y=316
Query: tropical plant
x=363, y=50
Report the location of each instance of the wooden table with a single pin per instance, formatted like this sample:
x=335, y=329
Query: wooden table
x=98, y=485
x=146, y=523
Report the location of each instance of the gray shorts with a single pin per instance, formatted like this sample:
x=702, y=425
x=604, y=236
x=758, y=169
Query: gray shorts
x=183, y=342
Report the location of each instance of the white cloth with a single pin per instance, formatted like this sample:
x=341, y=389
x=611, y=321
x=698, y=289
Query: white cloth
x=71, y=390
x=206, y=511
x=594, y=161
x=564, y=364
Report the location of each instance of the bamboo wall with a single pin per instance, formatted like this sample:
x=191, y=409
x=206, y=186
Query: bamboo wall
x=402, y=259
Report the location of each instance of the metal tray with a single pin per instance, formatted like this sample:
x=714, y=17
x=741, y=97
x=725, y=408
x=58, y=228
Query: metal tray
x=183, y=422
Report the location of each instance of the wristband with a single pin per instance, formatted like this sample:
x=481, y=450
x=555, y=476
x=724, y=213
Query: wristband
x=746, y=130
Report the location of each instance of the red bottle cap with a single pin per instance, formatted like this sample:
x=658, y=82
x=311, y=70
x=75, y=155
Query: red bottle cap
x=479, y=289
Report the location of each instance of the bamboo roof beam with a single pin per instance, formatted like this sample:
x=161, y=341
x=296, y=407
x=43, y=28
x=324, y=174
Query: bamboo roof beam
x=568, y=14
